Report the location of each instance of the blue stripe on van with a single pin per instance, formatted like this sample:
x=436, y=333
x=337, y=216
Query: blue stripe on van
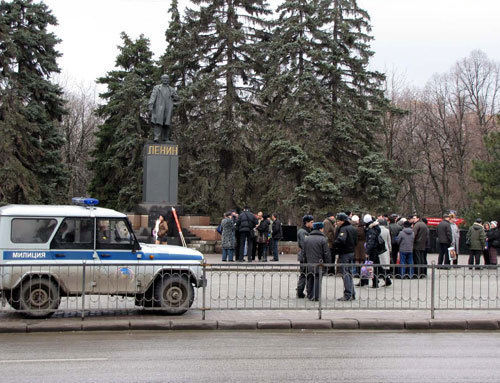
x=74, y=255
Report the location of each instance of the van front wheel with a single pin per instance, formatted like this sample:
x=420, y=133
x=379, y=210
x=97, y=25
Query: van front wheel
x=174, y=294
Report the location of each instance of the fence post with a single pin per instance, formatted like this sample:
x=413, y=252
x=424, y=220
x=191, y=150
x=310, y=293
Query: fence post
x=433, y=287
x=204, y=289
x=320, y=289
x=83, y=289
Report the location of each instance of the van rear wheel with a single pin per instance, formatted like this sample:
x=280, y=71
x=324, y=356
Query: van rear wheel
x=39, y=297
x=174, y=294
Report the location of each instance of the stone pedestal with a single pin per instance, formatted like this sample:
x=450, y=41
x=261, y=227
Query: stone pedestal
x=160, y=179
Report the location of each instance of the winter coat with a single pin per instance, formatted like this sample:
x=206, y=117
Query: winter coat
x=444, y=232
x=455, y=233
x=228, y=236
x=329, y=231
x=372, y=233
x=246, y=222
x=263, y=227
x=420, y=229
x=493, y=236
x=316, y=249
x=476, y=236
x=302, y=233
x=395, y=229
x=359, y=251
x=277, y=230
x=385, y=257
x=346, y=240
x=405, y=240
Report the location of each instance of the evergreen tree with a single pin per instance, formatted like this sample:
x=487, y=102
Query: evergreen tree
x=216, y=145
x=30, y=106
x=326, y=106
x=487, y=173
x=117, y=158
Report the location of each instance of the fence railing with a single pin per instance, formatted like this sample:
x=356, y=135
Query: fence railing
x=41, y=290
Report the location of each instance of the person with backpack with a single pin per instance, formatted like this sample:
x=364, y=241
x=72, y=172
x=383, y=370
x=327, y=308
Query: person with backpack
x=406, y=240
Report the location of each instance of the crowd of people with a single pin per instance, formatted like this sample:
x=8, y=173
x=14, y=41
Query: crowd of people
x=373, y=243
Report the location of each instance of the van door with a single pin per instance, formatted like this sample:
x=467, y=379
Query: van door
x=74, y=243
x=115, y=247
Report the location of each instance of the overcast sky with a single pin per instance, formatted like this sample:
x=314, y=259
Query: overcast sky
x=415, y=37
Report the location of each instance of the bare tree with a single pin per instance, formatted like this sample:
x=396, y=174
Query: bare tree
x=79, y=127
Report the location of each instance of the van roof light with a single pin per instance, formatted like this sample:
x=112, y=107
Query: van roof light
x=83, y=201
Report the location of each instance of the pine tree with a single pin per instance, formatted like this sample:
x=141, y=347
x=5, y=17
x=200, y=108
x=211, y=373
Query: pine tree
x=324, y=102
x=117, y=158
x=222, y=38
x=487, y=173
x=30, y=106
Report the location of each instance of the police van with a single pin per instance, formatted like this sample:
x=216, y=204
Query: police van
x=49, y=253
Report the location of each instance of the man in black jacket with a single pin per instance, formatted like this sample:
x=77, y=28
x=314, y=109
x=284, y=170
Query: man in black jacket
x=276, y=236
x=316, y=250
x=344, y=245
x=302, y=233
x=245, y=224
x=445, y=237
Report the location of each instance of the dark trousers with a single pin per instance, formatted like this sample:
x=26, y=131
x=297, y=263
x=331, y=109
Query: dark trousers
x=275, y=243
x=347, y=275
x=377, y=270
x=443, y=254
x=486, y=256
x=313, y=284
x=245, y=237
x=301, y=283
x=475, y=257
x=420, y=258
x=262, y=251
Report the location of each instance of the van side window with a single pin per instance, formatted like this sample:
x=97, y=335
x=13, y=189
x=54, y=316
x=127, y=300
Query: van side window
x=31, y=230
x=113, y=234
x=74, y=233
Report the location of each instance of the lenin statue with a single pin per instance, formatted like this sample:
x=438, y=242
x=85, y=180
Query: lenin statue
x=161, y=106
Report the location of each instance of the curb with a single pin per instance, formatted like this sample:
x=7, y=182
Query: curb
x=277, y=324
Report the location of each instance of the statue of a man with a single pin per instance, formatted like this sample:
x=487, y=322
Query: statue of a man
x=161, y=105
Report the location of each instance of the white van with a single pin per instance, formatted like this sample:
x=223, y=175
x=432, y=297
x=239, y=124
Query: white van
x=50, y=252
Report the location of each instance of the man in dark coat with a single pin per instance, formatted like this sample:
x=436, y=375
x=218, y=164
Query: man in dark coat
x=316, y=250
x=302, y=233
x=344, y=245
x=276, y=236
x=245, y=224
x=445, y=238
x=394, y=229
x=329, y=231
x=419, y=254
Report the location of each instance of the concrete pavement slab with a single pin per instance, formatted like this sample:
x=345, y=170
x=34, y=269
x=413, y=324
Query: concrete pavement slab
x=417, y=324
x=345, y=324
x=193, y=325
x=105, y=325
x=237, y=325
x=318, y=324
x=384, y=324
x=448, y=324
x=482, y=324
x=148, y=324
x=274, y=324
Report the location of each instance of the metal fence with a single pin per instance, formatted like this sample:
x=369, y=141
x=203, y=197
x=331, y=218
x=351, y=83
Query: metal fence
x=175, y=288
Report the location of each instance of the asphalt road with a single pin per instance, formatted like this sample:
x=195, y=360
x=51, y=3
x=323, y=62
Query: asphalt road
x=251, y=357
